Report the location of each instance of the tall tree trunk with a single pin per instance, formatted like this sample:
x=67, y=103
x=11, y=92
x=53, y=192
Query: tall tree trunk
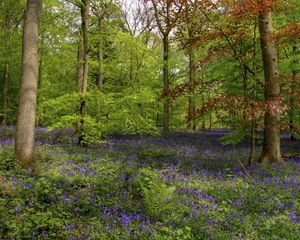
x=210, y=121
x=253, y=117
x=191, y=126
x=41, y=59
x=7, y=47
x=166, y=127
x=131, y=80
x=100, y=78
x=271, y=144
x=245, y=84
x=292, y=95
x=79, y=77
x=85, y=65
x=42, y=38
x=202, y=101
x=85, y=57
x=5, y=94
x=80, y=63
x=24, y=148
x=139, y=64
x=164, y=24
x=245, y=97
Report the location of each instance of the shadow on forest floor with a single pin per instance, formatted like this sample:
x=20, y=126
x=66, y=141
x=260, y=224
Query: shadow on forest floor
x=190, y=152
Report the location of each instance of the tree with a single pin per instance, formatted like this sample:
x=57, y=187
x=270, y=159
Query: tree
x=83, y=57
x=287, y=38
x=271, y=144
x=103, y=10
x=11, y=12
x=189, y=29
x=24, y=147
x=139, y=22
x=166, y=15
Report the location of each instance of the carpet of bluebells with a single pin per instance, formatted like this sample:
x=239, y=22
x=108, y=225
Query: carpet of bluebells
x=176, y=186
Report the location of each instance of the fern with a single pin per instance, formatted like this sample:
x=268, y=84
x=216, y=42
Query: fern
x=158, y=198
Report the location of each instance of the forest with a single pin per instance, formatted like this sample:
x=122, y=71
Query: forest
x=150, y=119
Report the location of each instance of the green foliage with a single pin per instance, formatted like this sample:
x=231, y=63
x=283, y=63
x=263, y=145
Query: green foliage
x=104, y=194
x=235, y=137
x=167, y=233
x=158, y=198
x=7, y=161
x=51, y=111
x=107, y=113
x=131, y=113
x=11, y=14
x=42, y=206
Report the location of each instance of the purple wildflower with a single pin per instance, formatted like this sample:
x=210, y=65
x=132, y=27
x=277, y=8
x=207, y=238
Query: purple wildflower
x=125, y=220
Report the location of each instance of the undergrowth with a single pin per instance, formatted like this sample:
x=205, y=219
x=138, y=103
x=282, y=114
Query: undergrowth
x=104, y=193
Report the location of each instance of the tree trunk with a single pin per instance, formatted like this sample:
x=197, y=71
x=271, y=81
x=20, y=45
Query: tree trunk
x=24, y=148
x=210, y=121
x=253, y=117
x=131, y=80
x=5, y=94
x=245, y=97
x=85, y=56
x=85, y=66
x=80, y=63
x=42, y=39
x=202, y=101
x=245, y=84
x=191, y=126
x=166, y=127
x=292, y=95
x=41, y=59
x=271, y=144
x=7, y=52
x=100, y=57
x=164, y=24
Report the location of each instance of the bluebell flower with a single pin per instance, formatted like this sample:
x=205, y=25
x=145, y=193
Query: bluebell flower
x=64, y=196
x=280, y=205
x=17, y=208
x=137, y=217
x=294, y=217
x=69, y=227
x=125, y=220
x=71, y=237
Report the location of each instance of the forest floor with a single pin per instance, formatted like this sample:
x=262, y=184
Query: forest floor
x=176, y=186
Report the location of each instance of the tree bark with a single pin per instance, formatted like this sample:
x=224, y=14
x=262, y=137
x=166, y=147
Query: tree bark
x=210, y=121
x=191, y=126
x=5, y=94
x=271, y=144
x=165, y=32
x=292, y=95
x=80, y=63
x=24, y=147
x=166, y=127
x=100, y=78
x=7, y=47
x=85, y=64
x=245, y=97
x=42, y=39
x=85, y=57
x=202, y=101
x=253, y=117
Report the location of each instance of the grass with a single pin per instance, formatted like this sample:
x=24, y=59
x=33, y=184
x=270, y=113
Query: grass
x=177, y=186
